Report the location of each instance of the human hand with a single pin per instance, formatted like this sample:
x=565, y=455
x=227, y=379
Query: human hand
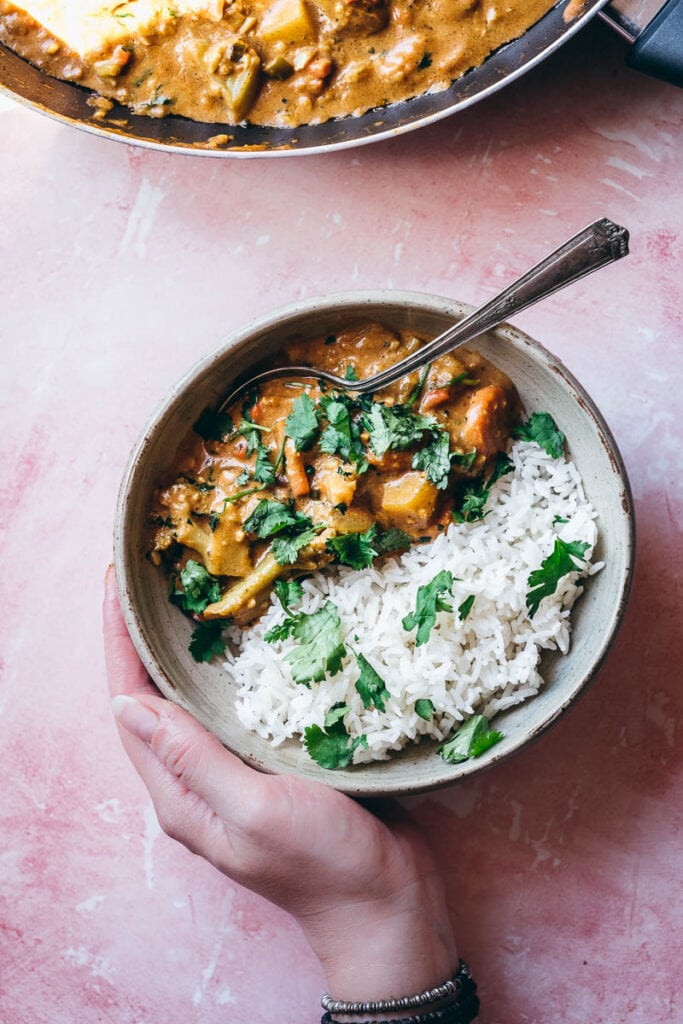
x=367, y=893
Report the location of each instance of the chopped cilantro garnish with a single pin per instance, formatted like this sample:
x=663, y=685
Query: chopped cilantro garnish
x=332, y=748
x=471, y=740
x=424, y=708
x=471, y=497
x=251, y=431
x=199, y=588
x=342, y=434
x=288, y=592
x=207, y=640
x=559, y=520
x=430, y=600
x=395, y=427
x=417, y=390
x=320, y=650
x=264, y=471
x=355, y=549
x=464, y=460
x=272, y=517
x=393, y=539
x=302, y=423
x=286, y=548
x=213, y=426
x=370, y=685
x=502, y=466
x=470, y=501
x=435, y=459
x=464, y=378
x=350, y=373
x=465, y=608
x=542, y=428
x=562, y=560
x=201, y=485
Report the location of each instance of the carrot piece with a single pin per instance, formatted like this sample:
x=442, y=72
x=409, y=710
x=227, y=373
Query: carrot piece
x=434, y=398
x=295, y=471
x=487, y=421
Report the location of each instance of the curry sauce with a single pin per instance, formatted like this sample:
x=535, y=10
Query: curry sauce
x=268, y=62
x=300, y=475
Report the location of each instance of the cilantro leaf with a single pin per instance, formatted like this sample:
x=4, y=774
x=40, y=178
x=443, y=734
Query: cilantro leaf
x=302, y=423
x=465, y=608
x=336, y=437
x=333, y=748
x=429, y=601
x=288, y=592
x=207, y=640
x=350, y=373
x=336, y=714
x=542, y=428
x=393, y=539
x=561, y=560
x=370, y=685
x=213, y=426
x=417, y=390
x=321, y=649
x=264, y=471
x=483, y=741
x=355, y=549
x=280, y=631
x=464, y=459
x=200, y=588
x=395, y=427
x=424, y=708
x=286, y=548
x=272, y=517
x=470, y=740
x=435, y=460
x=502, y=466
x=251, y=431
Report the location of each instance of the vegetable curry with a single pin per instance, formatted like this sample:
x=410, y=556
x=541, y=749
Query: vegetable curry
x=275, y=62
x=300, y=475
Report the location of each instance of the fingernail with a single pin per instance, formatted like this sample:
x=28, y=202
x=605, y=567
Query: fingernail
x=135, y=717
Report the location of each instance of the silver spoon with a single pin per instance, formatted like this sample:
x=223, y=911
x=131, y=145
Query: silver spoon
x=597, y=245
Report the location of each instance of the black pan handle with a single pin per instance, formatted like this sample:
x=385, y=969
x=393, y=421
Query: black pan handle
x=658, y=51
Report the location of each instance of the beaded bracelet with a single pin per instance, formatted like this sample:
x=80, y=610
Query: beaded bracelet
x=460, y=991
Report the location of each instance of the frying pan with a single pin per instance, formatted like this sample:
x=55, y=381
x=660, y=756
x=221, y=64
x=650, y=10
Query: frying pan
x=66, y=102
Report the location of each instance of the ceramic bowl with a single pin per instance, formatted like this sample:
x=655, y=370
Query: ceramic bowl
x=160, y=632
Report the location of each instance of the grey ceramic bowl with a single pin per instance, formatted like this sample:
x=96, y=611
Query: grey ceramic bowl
x=160, y=632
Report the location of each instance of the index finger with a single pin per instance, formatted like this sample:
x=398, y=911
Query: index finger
x=125, y=672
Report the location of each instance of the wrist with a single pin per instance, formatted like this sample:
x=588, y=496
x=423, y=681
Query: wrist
x=382, y=949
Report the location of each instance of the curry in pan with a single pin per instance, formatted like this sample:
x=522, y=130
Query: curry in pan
x=270, y=62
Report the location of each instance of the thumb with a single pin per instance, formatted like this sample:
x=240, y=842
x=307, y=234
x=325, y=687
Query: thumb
x=194, y=756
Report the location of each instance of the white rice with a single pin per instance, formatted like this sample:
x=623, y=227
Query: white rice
x=485, y=664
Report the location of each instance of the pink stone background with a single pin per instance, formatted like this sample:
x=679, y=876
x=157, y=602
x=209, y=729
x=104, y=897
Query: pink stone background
x=119, y=269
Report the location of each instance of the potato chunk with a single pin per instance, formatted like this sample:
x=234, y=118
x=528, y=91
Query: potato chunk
x=335, y=480
x=409, y=501
x=286, y=21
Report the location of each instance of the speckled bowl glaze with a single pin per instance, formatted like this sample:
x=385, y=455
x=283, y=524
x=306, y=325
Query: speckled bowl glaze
x=161, y=633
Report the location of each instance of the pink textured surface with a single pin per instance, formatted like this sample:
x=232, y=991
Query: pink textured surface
x=119, y=269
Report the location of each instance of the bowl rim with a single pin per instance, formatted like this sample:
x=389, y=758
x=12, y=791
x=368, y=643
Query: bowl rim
x=285, y=318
